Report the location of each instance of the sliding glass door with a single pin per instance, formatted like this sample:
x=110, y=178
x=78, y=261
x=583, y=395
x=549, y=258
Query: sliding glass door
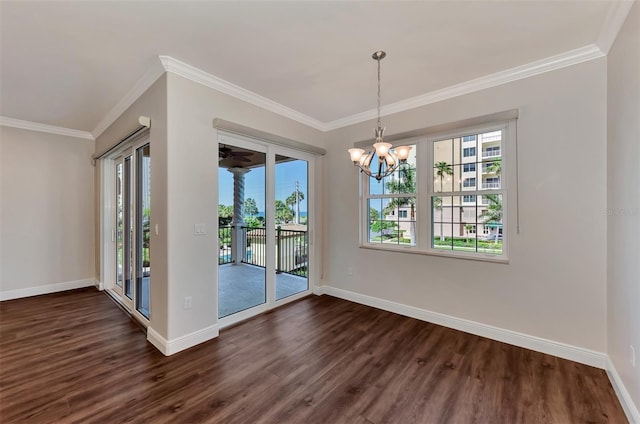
x=242, y=282
x=132, y=228
x=263, y=216
x=292, y=229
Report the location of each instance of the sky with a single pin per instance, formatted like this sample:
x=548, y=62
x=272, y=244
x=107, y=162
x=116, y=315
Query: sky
x=287, y=174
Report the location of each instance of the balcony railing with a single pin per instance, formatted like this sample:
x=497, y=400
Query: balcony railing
x=491, y=185
x=292, y=247
x=490, y=153
x=225, y=239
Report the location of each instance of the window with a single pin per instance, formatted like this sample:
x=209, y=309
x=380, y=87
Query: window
x=493, y=182
x=469, y=182
x=439, y=209
x=396, y=192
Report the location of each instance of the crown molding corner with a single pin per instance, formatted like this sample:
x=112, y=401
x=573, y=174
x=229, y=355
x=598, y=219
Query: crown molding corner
x=208, y=80
x=552, y=63
x=142, y=85
x=618, y=12
x=51, y=129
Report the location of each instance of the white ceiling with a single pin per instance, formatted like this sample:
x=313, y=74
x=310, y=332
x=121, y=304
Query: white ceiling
x=69, y=64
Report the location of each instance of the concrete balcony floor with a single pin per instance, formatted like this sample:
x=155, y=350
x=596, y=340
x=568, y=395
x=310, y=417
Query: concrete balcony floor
x=242, y=286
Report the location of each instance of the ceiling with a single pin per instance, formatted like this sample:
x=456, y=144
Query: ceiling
x=69, y=64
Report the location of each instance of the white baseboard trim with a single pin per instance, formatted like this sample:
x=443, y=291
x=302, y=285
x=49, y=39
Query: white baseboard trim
x=318, y=290
x=623, y=395
x=99, y=285
x=169, y=347
x=46, y=289
x=561, y=350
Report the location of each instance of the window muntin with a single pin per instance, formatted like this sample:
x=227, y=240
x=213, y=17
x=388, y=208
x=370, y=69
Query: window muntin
x=454, y=225
x=385, y=226
x=392, y=208
x=455, y=202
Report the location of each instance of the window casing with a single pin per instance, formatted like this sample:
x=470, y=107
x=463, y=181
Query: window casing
x=449, y=210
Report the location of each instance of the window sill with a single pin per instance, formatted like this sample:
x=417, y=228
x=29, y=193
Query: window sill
x=442, y=253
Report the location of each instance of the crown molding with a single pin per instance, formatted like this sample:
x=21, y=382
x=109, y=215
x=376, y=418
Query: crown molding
x=132, y=95
x=618, y=12
x=208, y=80
x=559, y=61
x=615, y=20
x=35, y=126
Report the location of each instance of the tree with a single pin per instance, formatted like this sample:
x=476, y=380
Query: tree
x=495, y=167
x=250, y=208
x=295, y=200
x=404, y=184
x=437, y=205
x=467, y=229
x=443, y=169
x=252, y=222
x=493, y=213
x=376, y=224
x=225, y=215
x=283, y=213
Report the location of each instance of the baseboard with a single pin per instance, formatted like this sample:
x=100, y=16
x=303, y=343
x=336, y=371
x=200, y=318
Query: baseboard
x=561, y=350
x=623, y=395
x=169, y=347
x=46, y=289
x=318, y=290
x=99, y=285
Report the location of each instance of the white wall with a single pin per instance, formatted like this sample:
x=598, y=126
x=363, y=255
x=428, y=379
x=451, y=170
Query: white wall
x=47, y=212
x=555, y=284
x=153, y=104
x=192, y=191
x=623, y=203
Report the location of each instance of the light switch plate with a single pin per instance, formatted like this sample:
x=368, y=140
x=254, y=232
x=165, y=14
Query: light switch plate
x=200, y=229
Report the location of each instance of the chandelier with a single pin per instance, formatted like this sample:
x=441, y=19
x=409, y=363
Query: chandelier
x=388, y=158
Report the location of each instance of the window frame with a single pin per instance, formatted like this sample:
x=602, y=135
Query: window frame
x=425, y=190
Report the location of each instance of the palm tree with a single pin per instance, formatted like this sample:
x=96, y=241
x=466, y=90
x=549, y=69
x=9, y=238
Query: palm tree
x=437, y=204
x=294, y=199
x=495, y=167
x=404, y=184
x=442, y=169
x=493, y=213
x=468, y=228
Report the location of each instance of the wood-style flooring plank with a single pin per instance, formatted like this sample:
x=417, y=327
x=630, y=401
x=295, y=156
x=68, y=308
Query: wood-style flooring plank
x=76, y=357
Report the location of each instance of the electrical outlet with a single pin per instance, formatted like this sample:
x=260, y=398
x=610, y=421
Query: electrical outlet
x=633, y=356
x=188, y=302
x=349, y=270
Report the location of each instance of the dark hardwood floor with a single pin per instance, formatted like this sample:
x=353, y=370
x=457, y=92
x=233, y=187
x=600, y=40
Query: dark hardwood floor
x=75, y=357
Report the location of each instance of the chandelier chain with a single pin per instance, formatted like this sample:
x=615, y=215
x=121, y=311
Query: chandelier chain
x=379, y=123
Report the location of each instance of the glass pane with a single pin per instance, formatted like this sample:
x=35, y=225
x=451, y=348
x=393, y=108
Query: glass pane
x=403, y=180
x=128, y=228
x=241, y=234
x=143, y=229
x=119, y=226
x=467, y=223
x=392, y=221
x=292, y=241
x=468, y=163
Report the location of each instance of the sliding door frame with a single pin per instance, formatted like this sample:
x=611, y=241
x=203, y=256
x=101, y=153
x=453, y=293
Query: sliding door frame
x=271, y=150
x=108, y=223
